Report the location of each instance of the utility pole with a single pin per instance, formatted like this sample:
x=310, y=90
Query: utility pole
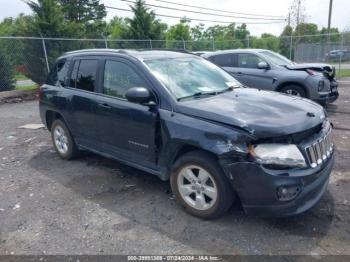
x=330, y=19
x=298, y=12
x=289, y=19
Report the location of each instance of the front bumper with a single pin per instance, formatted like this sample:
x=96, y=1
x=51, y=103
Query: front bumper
x=257, y=187
x=331, y=96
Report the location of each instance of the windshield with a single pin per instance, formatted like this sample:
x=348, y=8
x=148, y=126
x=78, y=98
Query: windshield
x=191, y=76
x=276, y=59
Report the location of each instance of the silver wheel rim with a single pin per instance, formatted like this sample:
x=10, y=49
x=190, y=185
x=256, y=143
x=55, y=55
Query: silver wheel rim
x=197, y=187
x=60, y=139
x=292, y=92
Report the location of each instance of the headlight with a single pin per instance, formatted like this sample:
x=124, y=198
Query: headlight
x=278, y=154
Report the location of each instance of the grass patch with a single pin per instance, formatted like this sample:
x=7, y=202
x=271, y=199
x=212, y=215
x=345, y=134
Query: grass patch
x=19, y=77
x=27, y=88
x=343, y=73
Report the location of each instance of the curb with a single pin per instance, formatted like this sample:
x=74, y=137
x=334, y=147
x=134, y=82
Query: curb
x=16, y=96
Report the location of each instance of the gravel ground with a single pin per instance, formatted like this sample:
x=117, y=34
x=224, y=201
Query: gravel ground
x=93, y=205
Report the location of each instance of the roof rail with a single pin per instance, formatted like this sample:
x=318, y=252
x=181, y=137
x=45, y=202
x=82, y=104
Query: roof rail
x=180, y=50
x=124, y=51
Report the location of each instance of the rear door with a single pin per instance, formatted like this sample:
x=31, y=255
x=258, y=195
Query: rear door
x=125, y=130
x=83, y=83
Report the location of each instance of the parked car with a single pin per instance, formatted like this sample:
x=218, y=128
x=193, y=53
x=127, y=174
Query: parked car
x=183, y=119
x=264, y=69
x=338, y=55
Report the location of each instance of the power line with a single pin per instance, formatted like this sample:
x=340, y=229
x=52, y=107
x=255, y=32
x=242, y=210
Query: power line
x=197, y=19
x=204, y=13
x=218, y=10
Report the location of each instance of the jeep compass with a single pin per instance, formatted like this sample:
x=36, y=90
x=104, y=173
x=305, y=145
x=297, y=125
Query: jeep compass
x=187, y=121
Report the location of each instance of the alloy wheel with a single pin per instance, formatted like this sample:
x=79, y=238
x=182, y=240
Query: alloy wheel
x=197, y=187
x=60, y=139
x=292, y=92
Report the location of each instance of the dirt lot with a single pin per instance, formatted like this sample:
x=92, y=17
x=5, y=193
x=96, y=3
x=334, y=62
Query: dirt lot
x=93, y=205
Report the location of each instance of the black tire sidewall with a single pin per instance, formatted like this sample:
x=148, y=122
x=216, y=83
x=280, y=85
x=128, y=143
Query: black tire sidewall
x=225, y=193
x=71, y=146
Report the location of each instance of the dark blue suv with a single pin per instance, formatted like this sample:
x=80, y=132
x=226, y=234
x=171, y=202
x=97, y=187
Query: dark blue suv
x=183, y=119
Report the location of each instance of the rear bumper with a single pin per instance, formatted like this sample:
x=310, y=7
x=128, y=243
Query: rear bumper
x=257, y=187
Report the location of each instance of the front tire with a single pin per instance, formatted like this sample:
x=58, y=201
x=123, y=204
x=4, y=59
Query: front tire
x=200, y=185
x=293, y=90
x=62, y=140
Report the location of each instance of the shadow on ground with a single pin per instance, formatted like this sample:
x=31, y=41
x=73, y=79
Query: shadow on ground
x=145, y=199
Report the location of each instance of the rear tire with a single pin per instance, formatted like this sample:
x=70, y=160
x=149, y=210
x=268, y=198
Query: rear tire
x=63, y=141
x=200, y=185
x=294, y=90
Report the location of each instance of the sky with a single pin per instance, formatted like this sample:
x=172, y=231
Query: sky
x=316, y=10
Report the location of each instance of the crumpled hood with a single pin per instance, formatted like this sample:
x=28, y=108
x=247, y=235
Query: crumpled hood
x=320, y=66
x=327, y=69
x=264, y=114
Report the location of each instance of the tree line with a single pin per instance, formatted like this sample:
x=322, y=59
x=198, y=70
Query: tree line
x=87, y=19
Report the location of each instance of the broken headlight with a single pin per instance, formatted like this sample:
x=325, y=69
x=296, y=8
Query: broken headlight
x=277, y=154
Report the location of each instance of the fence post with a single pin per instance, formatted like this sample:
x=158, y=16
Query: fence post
x=342, y=48
x=45, y=53
x=213, y=43
x=291, y=47
x=150, y=43
x=248, y=44
x=184, y=43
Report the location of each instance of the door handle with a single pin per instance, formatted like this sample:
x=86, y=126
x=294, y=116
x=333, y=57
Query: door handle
x=104, y=105
x=239, y=73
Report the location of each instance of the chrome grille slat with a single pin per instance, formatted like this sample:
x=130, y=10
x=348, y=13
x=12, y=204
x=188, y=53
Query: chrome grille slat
x=319, y=151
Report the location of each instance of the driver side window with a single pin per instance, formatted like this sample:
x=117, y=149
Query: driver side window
x=248, y=60
x=119, y=77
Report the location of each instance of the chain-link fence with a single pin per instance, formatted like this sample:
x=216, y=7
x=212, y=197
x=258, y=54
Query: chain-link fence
x=25, y=61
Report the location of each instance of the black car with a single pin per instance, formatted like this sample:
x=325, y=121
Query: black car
x=183, y=119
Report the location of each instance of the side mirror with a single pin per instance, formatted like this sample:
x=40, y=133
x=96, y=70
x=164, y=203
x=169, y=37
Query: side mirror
x=139, y=95
x=263, y=65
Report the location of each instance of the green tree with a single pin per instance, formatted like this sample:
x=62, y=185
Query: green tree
x=89, y=13
x=144, y=24
x=266, y=41
x=335, y=36
x=179, y=32
x=7, y=81
x=285, y=41
x=117, y=28
x=306, y=33
x=47, y=21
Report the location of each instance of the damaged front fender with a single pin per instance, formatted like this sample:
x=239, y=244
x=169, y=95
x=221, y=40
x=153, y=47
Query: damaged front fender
x=179, y=131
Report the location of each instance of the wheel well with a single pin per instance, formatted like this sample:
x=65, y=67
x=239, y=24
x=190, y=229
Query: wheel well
x=50, y=117
x=184, y=149
x=278, y=89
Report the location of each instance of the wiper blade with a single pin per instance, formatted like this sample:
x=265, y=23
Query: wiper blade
x=198, y=94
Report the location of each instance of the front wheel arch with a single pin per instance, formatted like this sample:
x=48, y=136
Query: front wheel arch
x=283, y=85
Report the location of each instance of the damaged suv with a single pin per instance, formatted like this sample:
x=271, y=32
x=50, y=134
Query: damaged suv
x=264, y=69
x=183, y=119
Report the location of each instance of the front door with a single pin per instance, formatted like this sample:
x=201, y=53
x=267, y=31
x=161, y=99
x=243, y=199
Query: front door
x=248, y=73
x=125, y=130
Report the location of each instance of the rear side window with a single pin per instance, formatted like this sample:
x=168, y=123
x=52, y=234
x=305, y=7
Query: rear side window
x=119, y=77
x=58, y=74
x=223, y=60
x=84, y=74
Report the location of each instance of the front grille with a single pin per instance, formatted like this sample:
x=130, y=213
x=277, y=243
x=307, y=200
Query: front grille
x=320, y=150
